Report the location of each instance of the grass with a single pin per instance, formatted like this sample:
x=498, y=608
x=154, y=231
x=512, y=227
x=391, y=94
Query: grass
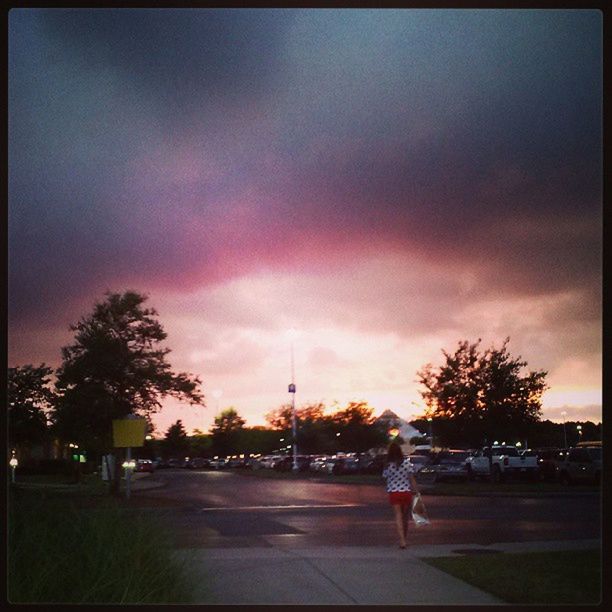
x=60, y=551
x=562, y=577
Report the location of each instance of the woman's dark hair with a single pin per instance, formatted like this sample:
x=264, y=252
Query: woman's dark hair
x=395, y=454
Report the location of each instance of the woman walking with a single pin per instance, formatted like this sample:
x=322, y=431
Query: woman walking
x=401, y=485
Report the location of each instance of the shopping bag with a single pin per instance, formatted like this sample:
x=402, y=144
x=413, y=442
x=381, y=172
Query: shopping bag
x=419, y=514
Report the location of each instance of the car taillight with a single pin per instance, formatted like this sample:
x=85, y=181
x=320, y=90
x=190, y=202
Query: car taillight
x=505, y=460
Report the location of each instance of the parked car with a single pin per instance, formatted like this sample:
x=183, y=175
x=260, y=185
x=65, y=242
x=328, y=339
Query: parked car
x=371, y=465
x=198, y=463
x=418, y=462
x=548, y=462
x=269, y=461
x=145, y=465
x=218, y=463
x=499, y=462
x=345, y=465
x=447, y=465
x=581, y=464
x=176, y=463
x=286, y=463
x=317, y=463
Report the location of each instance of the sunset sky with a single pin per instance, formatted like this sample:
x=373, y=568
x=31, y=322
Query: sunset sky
x=385, y=182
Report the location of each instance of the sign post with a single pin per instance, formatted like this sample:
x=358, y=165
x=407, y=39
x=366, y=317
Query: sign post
x=128, y=433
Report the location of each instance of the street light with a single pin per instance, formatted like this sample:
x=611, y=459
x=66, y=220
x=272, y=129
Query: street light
x=579, y=428
x=564, y=414
x=292, y=333
x=217, y=393
x=431, y=444
x=13, y=463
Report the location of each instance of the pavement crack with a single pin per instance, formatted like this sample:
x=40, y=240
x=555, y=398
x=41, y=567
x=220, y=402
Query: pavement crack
x=323, y=574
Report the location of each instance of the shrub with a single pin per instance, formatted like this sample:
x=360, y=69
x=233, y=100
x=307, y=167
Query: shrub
x=61, y=553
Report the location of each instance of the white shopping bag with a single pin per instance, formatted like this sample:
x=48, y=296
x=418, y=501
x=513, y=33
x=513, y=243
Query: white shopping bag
x=419, y=514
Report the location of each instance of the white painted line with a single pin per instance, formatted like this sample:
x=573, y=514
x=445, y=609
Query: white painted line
x=289, y=507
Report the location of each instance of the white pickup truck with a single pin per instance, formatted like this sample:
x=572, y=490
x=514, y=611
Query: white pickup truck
x=499, y=462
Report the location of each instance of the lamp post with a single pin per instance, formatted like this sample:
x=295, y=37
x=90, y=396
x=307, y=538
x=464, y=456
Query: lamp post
x=13, y=463
x=217, y=393
x=564, y=414
x=431, y=444
x=579, y=428
x=292, y=334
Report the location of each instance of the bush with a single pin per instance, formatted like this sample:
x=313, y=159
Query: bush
x=45, y=466
x=60, y=553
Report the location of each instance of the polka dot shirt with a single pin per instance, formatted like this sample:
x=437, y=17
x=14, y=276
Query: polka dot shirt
x=398, y=476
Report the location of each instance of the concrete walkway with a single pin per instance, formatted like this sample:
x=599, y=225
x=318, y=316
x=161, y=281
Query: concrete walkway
x=341, y=575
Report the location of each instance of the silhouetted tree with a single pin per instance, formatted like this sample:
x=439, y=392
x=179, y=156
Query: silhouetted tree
x=30, y=398
x=175, y=441
x=225, y=431
x=476, y=397
x=358, y=428
x=115, y=368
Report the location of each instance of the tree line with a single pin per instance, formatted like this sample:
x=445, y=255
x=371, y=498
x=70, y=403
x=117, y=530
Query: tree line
x=116, y=366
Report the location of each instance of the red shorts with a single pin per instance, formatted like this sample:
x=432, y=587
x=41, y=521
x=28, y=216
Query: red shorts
x=400, y=497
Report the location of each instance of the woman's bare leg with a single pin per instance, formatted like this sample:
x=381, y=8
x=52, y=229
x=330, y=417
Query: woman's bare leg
x=399, y=522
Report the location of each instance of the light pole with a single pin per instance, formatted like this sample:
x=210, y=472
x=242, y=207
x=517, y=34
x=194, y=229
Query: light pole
x=431, y=444
x=292, y=391
x=13, y=463
x=564, y=414
x=579, y=428
x=217, y=393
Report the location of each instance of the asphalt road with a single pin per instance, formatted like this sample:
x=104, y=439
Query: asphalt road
x=226, y=509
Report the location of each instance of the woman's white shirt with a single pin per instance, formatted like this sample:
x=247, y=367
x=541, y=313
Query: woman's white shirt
x=398, y=476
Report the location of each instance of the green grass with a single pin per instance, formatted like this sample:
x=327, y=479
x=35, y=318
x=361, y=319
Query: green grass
x=60, y=551
x=563, y=577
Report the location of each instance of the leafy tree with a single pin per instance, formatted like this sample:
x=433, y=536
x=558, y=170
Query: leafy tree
x=358, y=429
x=115, y=368
x=476, y=397
x=226, y=430
x=513, y=402
x=200, y=444
x=314, y=430
x=257, y=439
x=29, y=400
x=175, y=441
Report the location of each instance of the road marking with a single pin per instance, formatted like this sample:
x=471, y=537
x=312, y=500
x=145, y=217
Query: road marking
x=288, y=507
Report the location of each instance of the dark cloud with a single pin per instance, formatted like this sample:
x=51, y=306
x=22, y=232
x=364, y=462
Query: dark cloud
x=181, y=147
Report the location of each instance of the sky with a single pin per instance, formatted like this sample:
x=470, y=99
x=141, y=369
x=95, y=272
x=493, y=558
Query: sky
x=350, y=191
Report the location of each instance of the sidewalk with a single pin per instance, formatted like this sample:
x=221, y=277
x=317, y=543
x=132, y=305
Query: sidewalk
x=341, y=575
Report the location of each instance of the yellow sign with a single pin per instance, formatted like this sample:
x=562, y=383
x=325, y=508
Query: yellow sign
x=129, y=432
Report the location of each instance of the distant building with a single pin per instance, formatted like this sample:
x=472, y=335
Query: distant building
x=406, y=430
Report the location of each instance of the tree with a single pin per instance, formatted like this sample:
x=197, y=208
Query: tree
x=476, y=397
x=311, y=425
x=115, y=368
x=200, y=444
x=226, y=430
x=175, y=441
x=513, y=402
x=30, y=398
x=357, y=428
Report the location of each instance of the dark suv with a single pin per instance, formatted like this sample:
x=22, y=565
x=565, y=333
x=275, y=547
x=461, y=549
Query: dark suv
x=582, y=464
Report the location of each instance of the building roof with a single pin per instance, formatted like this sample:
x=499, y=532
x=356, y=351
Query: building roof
x=407, y=431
